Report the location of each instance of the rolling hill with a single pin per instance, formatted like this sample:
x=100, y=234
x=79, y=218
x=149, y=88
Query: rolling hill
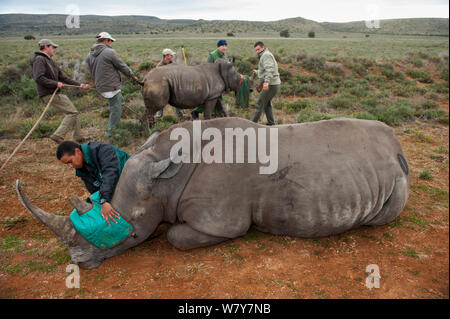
x=53, y=24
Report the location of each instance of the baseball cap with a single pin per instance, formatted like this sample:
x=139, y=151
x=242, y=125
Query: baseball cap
x=47, y=42
x=105, y=35
x=168, y=51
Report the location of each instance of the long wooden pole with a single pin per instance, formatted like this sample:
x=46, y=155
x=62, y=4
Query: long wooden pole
x=32, y=129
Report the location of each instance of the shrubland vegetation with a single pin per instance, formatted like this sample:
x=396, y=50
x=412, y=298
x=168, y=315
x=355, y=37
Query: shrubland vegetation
x=320, y=80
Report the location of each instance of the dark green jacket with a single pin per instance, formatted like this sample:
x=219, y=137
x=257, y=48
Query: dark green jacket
x=102, y=168
x=213, y=56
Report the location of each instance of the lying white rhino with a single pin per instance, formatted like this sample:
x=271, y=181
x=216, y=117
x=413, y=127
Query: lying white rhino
x=332, y=176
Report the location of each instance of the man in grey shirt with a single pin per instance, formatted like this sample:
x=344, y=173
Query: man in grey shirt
x=105, y=65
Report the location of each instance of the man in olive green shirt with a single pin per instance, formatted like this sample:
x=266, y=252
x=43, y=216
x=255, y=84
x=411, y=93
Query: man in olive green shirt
x=268, y=73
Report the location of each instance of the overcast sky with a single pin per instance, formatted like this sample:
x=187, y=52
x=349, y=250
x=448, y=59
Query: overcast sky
x=253, y=10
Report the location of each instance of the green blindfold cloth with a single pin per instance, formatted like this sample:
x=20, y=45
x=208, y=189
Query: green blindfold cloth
x=92, y=226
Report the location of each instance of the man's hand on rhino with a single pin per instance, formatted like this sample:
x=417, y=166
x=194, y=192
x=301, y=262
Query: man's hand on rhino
x=109, y=212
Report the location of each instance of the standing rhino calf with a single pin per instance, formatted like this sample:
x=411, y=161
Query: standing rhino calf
x=332, y=176
x=187, y=87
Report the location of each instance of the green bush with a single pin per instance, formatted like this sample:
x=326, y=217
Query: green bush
x=44, y=129
x=285, y=33
x=421, y=76
x=364, y=116
x=285, y=75
x=311, y=34
x=121, y=137
x=395, y=114
x=299, y=105
x=314, y=64
x=146, y=66
x=335, y=70
x=133, y=127
x=130, y=88
x=342, y=101
x=429, y=104
x=27, y=89
x=417, y=62
x=244, y=67
x=444, y=74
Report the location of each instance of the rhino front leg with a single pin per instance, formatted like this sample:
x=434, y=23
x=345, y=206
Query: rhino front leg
x=148, y=119
x=209, y=106
x=184, y=237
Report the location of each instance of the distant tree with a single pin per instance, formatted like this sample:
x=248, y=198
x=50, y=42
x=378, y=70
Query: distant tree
x=284, y=33
x=230, y=34
x=367, y=35
x=311, y=34
x=29, y=37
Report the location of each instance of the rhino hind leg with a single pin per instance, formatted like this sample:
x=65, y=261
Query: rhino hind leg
x=394, y=204
x=185, y=237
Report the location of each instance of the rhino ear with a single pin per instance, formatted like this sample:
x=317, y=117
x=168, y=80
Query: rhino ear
x=164, y=169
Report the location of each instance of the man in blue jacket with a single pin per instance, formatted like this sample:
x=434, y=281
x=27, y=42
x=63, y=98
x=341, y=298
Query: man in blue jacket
x=99, y=165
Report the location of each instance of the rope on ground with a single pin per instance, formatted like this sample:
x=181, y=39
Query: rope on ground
x=32, y=129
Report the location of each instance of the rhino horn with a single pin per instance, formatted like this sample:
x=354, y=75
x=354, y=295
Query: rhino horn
x=80, y=205
x=61, y=226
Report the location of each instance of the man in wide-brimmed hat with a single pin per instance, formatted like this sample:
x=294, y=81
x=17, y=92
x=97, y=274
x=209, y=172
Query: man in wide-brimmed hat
x=48, y=76
x=105, y=65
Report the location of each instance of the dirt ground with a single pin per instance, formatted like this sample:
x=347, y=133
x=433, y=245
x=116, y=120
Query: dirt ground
x=412, y=252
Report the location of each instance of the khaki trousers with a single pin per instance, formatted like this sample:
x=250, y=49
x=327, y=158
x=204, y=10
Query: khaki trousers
x=70, y=123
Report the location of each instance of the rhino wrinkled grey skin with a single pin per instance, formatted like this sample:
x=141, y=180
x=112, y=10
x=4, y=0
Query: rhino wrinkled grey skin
x=187, y=87
x=332, y=176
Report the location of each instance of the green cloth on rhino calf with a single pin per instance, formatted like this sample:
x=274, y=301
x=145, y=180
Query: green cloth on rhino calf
x=92, y=226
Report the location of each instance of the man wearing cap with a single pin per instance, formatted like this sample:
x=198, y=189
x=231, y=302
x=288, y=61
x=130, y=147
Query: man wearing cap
x=270, y=78
x=48, y=76
x=219, y=53
x=105, y=65
x=168, y=60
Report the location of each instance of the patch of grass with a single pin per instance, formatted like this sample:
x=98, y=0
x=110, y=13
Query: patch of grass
x=310, y=114
x=31, y=266
x=388, y=236
x=425, y=174
x=422, y=137
x=442, y=150
x=396, y=223
x=12, y=242
x=10, y=222
x=410, y=252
